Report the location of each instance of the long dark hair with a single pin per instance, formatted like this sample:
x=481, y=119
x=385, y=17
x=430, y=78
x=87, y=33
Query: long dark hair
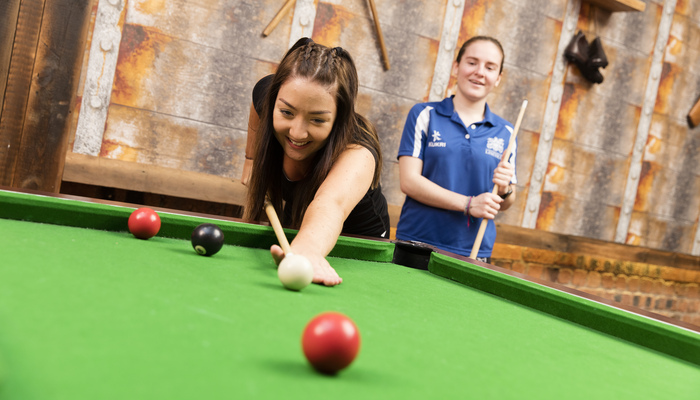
x=330, y=67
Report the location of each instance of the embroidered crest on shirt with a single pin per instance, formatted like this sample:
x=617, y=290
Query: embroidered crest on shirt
x=437, y=140
x=495, y=147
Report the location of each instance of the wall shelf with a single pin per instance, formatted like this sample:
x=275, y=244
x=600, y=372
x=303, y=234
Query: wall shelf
x=620, y=5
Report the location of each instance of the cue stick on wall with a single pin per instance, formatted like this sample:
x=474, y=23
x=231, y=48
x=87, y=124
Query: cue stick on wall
x=277, y=227
x=385, y=55
x=276, y=20
x=509, y=149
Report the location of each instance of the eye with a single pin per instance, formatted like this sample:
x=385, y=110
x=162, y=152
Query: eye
x=318, y=121
x=286, y=113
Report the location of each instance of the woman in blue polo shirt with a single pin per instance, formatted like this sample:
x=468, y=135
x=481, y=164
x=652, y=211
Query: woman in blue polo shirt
x=450, y=158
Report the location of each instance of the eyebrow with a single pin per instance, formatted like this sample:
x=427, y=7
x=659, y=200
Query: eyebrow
x=478, y=59
x=311, y=112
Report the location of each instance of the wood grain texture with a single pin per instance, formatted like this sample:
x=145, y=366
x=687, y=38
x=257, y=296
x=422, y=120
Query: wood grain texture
x=100, y=171
x=19, y=79
x=56, y=73
x=9, y=12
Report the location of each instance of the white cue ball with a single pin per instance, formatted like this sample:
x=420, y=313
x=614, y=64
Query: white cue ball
x=295, y=272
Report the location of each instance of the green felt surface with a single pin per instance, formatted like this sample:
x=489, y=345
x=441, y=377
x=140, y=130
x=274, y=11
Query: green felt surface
x=94, y=314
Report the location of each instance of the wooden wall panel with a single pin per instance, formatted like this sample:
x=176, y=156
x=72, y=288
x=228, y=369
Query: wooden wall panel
x=19, y=79
x=9, y=13
x=56, y=72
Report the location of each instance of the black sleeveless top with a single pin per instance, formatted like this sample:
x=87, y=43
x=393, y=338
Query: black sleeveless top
x=370, y=217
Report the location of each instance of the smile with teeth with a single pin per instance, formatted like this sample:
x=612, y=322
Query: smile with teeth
x=298, y=144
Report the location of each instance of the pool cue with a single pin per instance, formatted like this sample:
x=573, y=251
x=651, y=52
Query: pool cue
x=277, y=227
x=694, y=115
x=511, y=143
x=385, y=55
x=278, y=17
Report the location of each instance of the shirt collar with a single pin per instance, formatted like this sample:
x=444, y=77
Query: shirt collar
x=446, y=108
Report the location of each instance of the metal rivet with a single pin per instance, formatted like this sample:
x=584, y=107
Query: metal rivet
x=95, y=102
x=449, y=45
x=106, y=44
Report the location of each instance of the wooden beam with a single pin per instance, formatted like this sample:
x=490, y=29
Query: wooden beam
x=9, y=13
x=620, y=5
x=19, y=79
x=100, y=171
x=538, y=239
x=57, y=67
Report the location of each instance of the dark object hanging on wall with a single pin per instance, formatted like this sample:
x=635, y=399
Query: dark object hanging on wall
x=596, y=54
x=588, y=58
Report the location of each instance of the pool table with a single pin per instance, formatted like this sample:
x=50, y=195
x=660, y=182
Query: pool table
x=88, y=311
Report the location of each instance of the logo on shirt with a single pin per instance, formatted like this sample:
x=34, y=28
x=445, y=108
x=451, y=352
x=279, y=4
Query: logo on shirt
x=437, y=140
x=494, y=147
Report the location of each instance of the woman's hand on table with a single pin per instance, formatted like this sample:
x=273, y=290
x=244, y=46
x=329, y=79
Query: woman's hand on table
x=324, y=274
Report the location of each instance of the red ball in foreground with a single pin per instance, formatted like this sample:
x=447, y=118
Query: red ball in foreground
x=144, y=223
x=331, y=342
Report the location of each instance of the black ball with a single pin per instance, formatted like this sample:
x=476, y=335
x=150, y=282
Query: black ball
x=207, y=239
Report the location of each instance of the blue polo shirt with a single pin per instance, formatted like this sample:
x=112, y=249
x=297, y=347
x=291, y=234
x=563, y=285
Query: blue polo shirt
x=458, y=158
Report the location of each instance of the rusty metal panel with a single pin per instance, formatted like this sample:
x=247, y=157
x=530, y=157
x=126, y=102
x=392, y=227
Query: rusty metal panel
x=186, y=68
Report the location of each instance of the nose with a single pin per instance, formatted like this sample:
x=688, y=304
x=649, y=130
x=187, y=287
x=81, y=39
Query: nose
x=297, y=129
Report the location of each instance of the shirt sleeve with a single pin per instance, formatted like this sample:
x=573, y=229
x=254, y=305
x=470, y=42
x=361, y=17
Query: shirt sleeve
x=415, y=132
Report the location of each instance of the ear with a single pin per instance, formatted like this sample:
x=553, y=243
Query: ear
x=498, y=81
x=455, y=68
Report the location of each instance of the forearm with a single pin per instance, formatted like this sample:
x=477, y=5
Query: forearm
x=319, y=231
x=422, y=189
x=344, y=187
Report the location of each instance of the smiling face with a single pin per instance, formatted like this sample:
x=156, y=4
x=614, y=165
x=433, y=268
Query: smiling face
x=478, y=71
x=303, y=119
